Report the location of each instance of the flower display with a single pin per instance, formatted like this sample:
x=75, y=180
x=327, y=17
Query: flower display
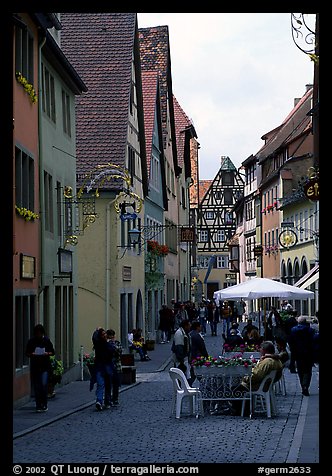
x=27, y=86
x=157, y=249
x=26, y=214
x=89, y=359
x=137, y=343
x=241, y=348
x=56, y=370
x=223, y=361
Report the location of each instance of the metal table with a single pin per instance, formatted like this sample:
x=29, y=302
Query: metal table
x=219, y=384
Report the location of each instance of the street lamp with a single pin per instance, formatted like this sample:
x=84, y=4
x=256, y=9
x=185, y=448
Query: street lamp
x=134, y=236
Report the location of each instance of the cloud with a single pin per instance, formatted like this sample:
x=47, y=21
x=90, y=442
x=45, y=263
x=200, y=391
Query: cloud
x=235, y=75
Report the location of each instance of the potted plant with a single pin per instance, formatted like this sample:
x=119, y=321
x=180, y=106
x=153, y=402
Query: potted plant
x=54, y=375
x=149, y=343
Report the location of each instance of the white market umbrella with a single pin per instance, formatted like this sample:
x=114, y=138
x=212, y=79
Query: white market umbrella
x=262, y=288
x=257, y=288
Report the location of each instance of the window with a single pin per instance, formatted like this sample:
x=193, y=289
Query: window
x=24, y=53
x=25, y=312
x=209, y=215
x=131, y=163
x=228, y=197
x=59, y=207
x=183, y=190
x=228, y=218
x=48, y=94
x=24, y=180
x=204, y=236
x=132, y=96
x=220, y=235
x=222, y=262
x=66, y=113
x=154, y=172
x=48, y=201
x=204, y=261
x=228, y=178
x=171, y=235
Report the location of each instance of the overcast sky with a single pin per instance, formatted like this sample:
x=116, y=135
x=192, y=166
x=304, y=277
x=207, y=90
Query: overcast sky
x=235, y=75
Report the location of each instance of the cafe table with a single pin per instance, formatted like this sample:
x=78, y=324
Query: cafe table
x=219, y=383
x=245, y=355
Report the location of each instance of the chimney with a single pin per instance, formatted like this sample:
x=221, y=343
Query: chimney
x=308, y=87
x=296, y=100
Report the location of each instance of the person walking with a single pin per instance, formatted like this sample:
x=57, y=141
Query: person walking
x=165, y=323
x=301, y=344
x=274, y=324
x=202, y=316
x=103, y=367
x=198, y=347
x=39, y=349
x=225, y=315
x=113, y=383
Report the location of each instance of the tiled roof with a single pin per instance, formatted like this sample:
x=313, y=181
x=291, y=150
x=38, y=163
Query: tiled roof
x=204, y=186
x=100, y=47
x=296, y=122
x=149, y=86
x=181, y=123
x=155, y=56
x=154, y=51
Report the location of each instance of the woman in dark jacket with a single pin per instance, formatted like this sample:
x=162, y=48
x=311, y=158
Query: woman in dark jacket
x=39, y=349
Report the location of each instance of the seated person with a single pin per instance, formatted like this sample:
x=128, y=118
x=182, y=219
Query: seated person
x=283, y=353
x=136, y=342
x=254, y=338
x=234, y=325
x=269, y=361
x=233, y=340
x=247, y=328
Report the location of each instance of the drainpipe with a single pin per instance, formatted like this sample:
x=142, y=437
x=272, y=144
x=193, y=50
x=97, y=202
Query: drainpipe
x=40, y=163
x=108, y=255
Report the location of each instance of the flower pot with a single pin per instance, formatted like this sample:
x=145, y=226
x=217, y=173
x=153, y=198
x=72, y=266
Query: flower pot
x=150, y=344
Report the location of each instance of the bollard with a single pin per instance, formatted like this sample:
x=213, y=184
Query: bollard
x=81, y=361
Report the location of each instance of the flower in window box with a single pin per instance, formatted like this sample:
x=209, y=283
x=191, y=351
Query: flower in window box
x=28, y=215
x=27, y=86
x=156, y=249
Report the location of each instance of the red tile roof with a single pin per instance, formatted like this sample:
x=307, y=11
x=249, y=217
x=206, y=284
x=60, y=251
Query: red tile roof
x=149, y=86
x=155, y=56
x=100, y=47
x=295, y=124
x=204, y=186
x=181, y=123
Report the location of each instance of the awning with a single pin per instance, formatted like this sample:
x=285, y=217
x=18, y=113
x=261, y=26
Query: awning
x=309, y=278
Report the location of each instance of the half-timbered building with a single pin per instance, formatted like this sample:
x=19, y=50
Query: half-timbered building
x=216, y=224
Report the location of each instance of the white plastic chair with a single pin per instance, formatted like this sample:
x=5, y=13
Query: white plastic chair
x=280, y=385
x=263, y=395
x=183, y=390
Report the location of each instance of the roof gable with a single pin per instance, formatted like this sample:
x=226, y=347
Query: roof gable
x=296, y=123
x=155, y=56
x=101, y=47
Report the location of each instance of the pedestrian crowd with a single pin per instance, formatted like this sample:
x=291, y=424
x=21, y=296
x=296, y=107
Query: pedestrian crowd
x=288, y=342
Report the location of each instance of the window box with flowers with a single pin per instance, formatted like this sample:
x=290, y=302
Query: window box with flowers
x=157, y=249
x=28, y=215
x=27, y=86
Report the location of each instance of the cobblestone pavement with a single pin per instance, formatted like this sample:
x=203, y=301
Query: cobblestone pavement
x=142, y=430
